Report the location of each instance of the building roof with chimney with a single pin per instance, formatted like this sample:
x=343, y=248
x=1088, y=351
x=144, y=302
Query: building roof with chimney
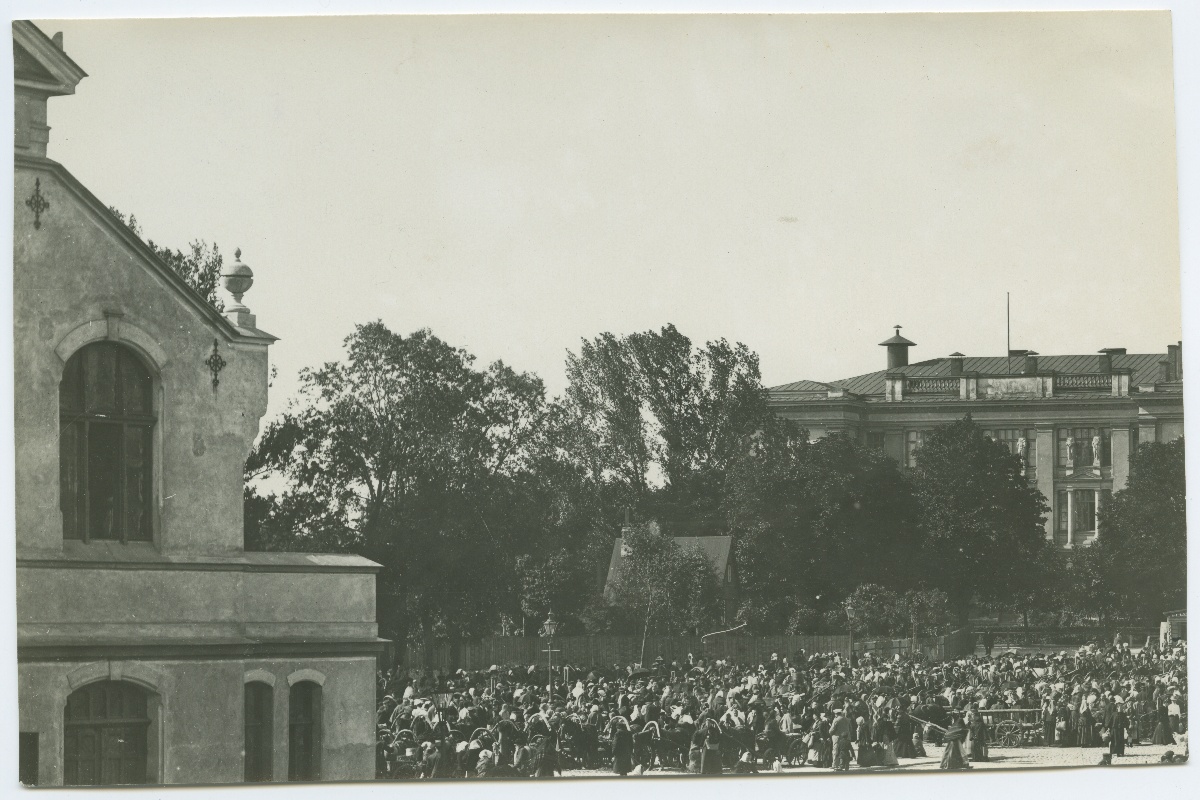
x=1146, y=369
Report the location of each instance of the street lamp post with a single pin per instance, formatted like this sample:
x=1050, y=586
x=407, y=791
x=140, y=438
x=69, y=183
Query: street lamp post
x=850, y=620
x=548, y=629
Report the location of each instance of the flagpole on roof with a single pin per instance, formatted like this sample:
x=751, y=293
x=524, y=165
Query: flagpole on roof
x=1008, y=329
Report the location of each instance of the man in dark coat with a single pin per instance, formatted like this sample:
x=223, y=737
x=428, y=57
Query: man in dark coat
x=840, y=732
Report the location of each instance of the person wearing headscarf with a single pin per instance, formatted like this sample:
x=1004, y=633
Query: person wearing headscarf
x=622, y=747
x=953, y=739
x=710, y=753
x=1116, y=723
x=547, y=761
x=905, y=729
x=1162, y=726
x=866, y=753
x=978, y=733
x=885, y=732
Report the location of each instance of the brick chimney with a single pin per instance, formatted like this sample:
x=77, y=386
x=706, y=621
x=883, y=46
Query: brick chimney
x=897, y=350
x=1106, y=358
x=1030, y=367
x=956, y=364
x=41, y=70
x=1175, y=362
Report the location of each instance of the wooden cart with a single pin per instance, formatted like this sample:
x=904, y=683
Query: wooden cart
x=1014, y=727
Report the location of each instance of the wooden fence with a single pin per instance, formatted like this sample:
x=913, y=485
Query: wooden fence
x=609, y=650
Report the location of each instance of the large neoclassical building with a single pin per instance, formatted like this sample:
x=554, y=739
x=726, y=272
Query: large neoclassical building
x=1073, y=419
x=152, y=648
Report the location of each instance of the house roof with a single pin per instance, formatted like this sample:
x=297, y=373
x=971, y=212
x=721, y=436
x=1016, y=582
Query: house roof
x=40, y=64
x=1145, y=367
x=717, y=549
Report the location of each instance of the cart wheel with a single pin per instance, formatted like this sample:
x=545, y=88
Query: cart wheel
x=1008, y=733
x=797, y=752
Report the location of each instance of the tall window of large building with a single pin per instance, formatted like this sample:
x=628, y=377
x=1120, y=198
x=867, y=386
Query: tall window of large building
x=1077, y=447
x=260, y=720
x=304, y=732
x=1011, y=438
x=105, y=440
x=105, y=732
x=912, y=442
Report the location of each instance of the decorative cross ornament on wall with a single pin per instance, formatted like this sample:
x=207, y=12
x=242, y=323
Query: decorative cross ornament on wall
x=37, y=203
x=215, y=364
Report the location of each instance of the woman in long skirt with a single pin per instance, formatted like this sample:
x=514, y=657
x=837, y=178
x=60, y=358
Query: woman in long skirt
x=1062, y=726
x=1087, y=726
x=885, y=730
x=863, y=738
x=1118, y=722
x=710, y=754
x=904, y=735
x=953, y=740
x=1049, y=720
x=979, y=736
x=622, y=748
x=1162, y=726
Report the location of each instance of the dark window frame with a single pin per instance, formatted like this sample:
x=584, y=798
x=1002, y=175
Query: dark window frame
x=87, y=417
x=259, y=732
x=304, y=731
x=1083, y=446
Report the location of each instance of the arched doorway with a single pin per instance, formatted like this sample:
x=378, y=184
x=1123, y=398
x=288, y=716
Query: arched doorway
x=106, y=728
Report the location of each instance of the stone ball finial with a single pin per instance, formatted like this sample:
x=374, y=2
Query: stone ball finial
x=237, y=279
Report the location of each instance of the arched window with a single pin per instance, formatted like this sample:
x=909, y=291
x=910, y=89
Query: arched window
x=260, y=722
x=105, y=735
x=304, y=732
x=105, y=442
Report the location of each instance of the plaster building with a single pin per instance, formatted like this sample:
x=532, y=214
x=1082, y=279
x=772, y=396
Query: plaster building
x=152, y=648
x=1073, y=419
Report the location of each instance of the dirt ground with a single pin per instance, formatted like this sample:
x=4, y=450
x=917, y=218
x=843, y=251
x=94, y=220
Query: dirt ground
x=1000, y=758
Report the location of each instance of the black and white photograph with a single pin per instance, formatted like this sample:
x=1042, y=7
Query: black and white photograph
x=467, y=397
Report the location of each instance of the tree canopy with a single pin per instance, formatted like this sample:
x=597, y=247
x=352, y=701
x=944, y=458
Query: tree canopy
x=1141, y=555
x=200, y=266
x=982, y=524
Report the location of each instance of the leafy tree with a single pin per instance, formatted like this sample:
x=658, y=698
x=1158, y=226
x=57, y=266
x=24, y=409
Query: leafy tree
x=1142, y=550
x=876, y=610
x=669, y=588
x=553, y=583
x=407, y=453
x=982, y=523
x=662, y=420
x=200, y=266
x=925, y=610
x=815, y=520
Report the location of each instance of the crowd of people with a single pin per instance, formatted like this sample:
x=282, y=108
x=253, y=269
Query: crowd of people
x=709, y=716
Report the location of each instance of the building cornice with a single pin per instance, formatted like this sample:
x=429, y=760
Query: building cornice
x=249, y=562
x=963, y=406
x=197, y=650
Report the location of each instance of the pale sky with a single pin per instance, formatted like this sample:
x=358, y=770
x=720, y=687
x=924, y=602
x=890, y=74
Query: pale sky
x=798, y=183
